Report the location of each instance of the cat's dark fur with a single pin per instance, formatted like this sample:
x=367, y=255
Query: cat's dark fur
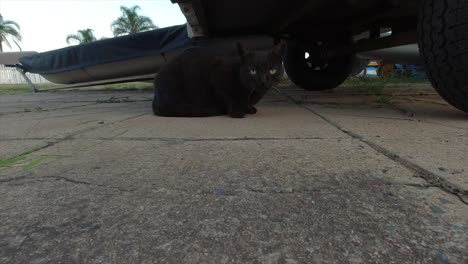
x=199, y=83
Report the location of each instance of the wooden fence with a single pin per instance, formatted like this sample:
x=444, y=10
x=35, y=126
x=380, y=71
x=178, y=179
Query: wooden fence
x=9, y=75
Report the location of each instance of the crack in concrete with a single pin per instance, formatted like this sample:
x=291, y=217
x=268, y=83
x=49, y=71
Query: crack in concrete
x=94, y=101
x=225, y=193
x=12, y=179
x=121, y=100
x=73, y=135
x=41, y=178
x=213, y=139
x=415, y=185
x=382, y=117
x=31, y=138
x=48, y=110
x=78, y=114
x=429, y=102
x=48, y=144
x=433, y=179
x=83, y=183
x=287, y=190
x=402, y=110
x=181, y=139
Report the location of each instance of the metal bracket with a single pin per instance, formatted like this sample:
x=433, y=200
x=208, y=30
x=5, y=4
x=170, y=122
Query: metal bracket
x=26, y=78
x=394, y=40
x=194, y=14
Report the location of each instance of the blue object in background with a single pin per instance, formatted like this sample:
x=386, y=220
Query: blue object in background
x=410, y=70
x=371, y=71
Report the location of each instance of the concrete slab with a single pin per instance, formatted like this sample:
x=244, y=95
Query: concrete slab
x=220, y=165
x=274, y=120
x=114, y=184
x=63, y=123
x=56, y=220
x=52, y=101
x=437, y=147
x=410, y=123
x=432, y=110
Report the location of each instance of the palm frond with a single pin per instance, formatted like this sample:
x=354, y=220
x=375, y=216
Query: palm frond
x=11, y=22
x=83, y=36
x=5, y=40
x=130, y=22
x=145, y=23
x=74, y=37
x=134, y=9
x=13, y=33
x=10, y=30
x=87, y=35
x=18, y=45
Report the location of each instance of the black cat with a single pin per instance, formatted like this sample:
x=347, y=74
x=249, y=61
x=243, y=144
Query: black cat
x=199, y=83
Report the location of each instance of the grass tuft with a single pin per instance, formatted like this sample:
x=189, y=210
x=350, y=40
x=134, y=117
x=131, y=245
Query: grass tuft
x=376, y=86
x=11, y=161
x=35, y=162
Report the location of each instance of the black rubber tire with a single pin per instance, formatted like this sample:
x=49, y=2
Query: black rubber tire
x=443, y=44
x=339, y=68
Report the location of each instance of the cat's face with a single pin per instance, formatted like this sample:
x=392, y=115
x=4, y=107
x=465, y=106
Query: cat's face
x=261, y=71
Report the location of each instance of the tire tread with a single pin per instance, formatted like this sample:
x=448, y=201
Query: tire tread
x=443, y=38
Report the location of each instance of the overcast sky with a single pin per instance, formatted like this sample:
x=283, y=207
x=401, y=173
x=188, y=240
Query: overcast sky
x=45, y=24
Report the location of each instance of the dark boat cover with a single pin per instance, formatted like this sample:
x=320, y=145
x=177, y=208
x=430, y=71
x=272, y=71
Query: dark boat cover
x=149, y=43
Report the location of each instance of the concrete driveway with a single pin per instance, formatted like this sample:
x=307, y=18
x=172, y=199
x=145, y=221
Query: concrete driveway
x=331, y=177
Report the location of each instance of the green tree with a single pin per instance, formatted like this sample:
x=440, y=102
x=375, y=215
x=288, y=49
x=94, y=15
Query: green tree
x=9, y=30
x=83, y=36
x=130, y=22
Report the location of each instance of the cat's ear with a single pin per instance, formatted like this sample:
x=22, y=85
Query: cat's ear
x=243, y=52
x=279, y=49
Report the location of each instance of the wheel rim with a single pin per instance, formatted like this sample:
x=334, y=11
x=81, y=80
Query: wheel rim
x=315, y=56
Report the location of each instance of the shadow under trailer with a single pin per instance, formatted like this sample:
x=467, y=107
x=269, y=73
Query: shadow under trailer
x=325, y=37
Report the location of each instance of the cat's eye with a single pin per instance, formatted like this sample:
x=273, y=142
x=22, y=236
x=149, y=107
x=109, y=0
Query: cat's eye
x=272, y=71
x=253, y=71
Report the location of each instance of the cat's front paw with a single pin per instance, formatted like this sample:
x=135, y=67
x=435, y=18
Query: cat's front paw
x=251, y=110
x=237, y=115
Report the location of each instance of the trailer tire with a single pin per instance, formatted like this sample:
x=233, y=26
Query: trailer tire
x=310, y=76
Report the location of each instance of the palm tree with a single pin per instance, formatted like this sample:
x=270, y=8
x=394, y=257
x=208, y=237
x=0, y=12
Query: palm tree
x=9, y=30
x=83, y=36
x=130, y=22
